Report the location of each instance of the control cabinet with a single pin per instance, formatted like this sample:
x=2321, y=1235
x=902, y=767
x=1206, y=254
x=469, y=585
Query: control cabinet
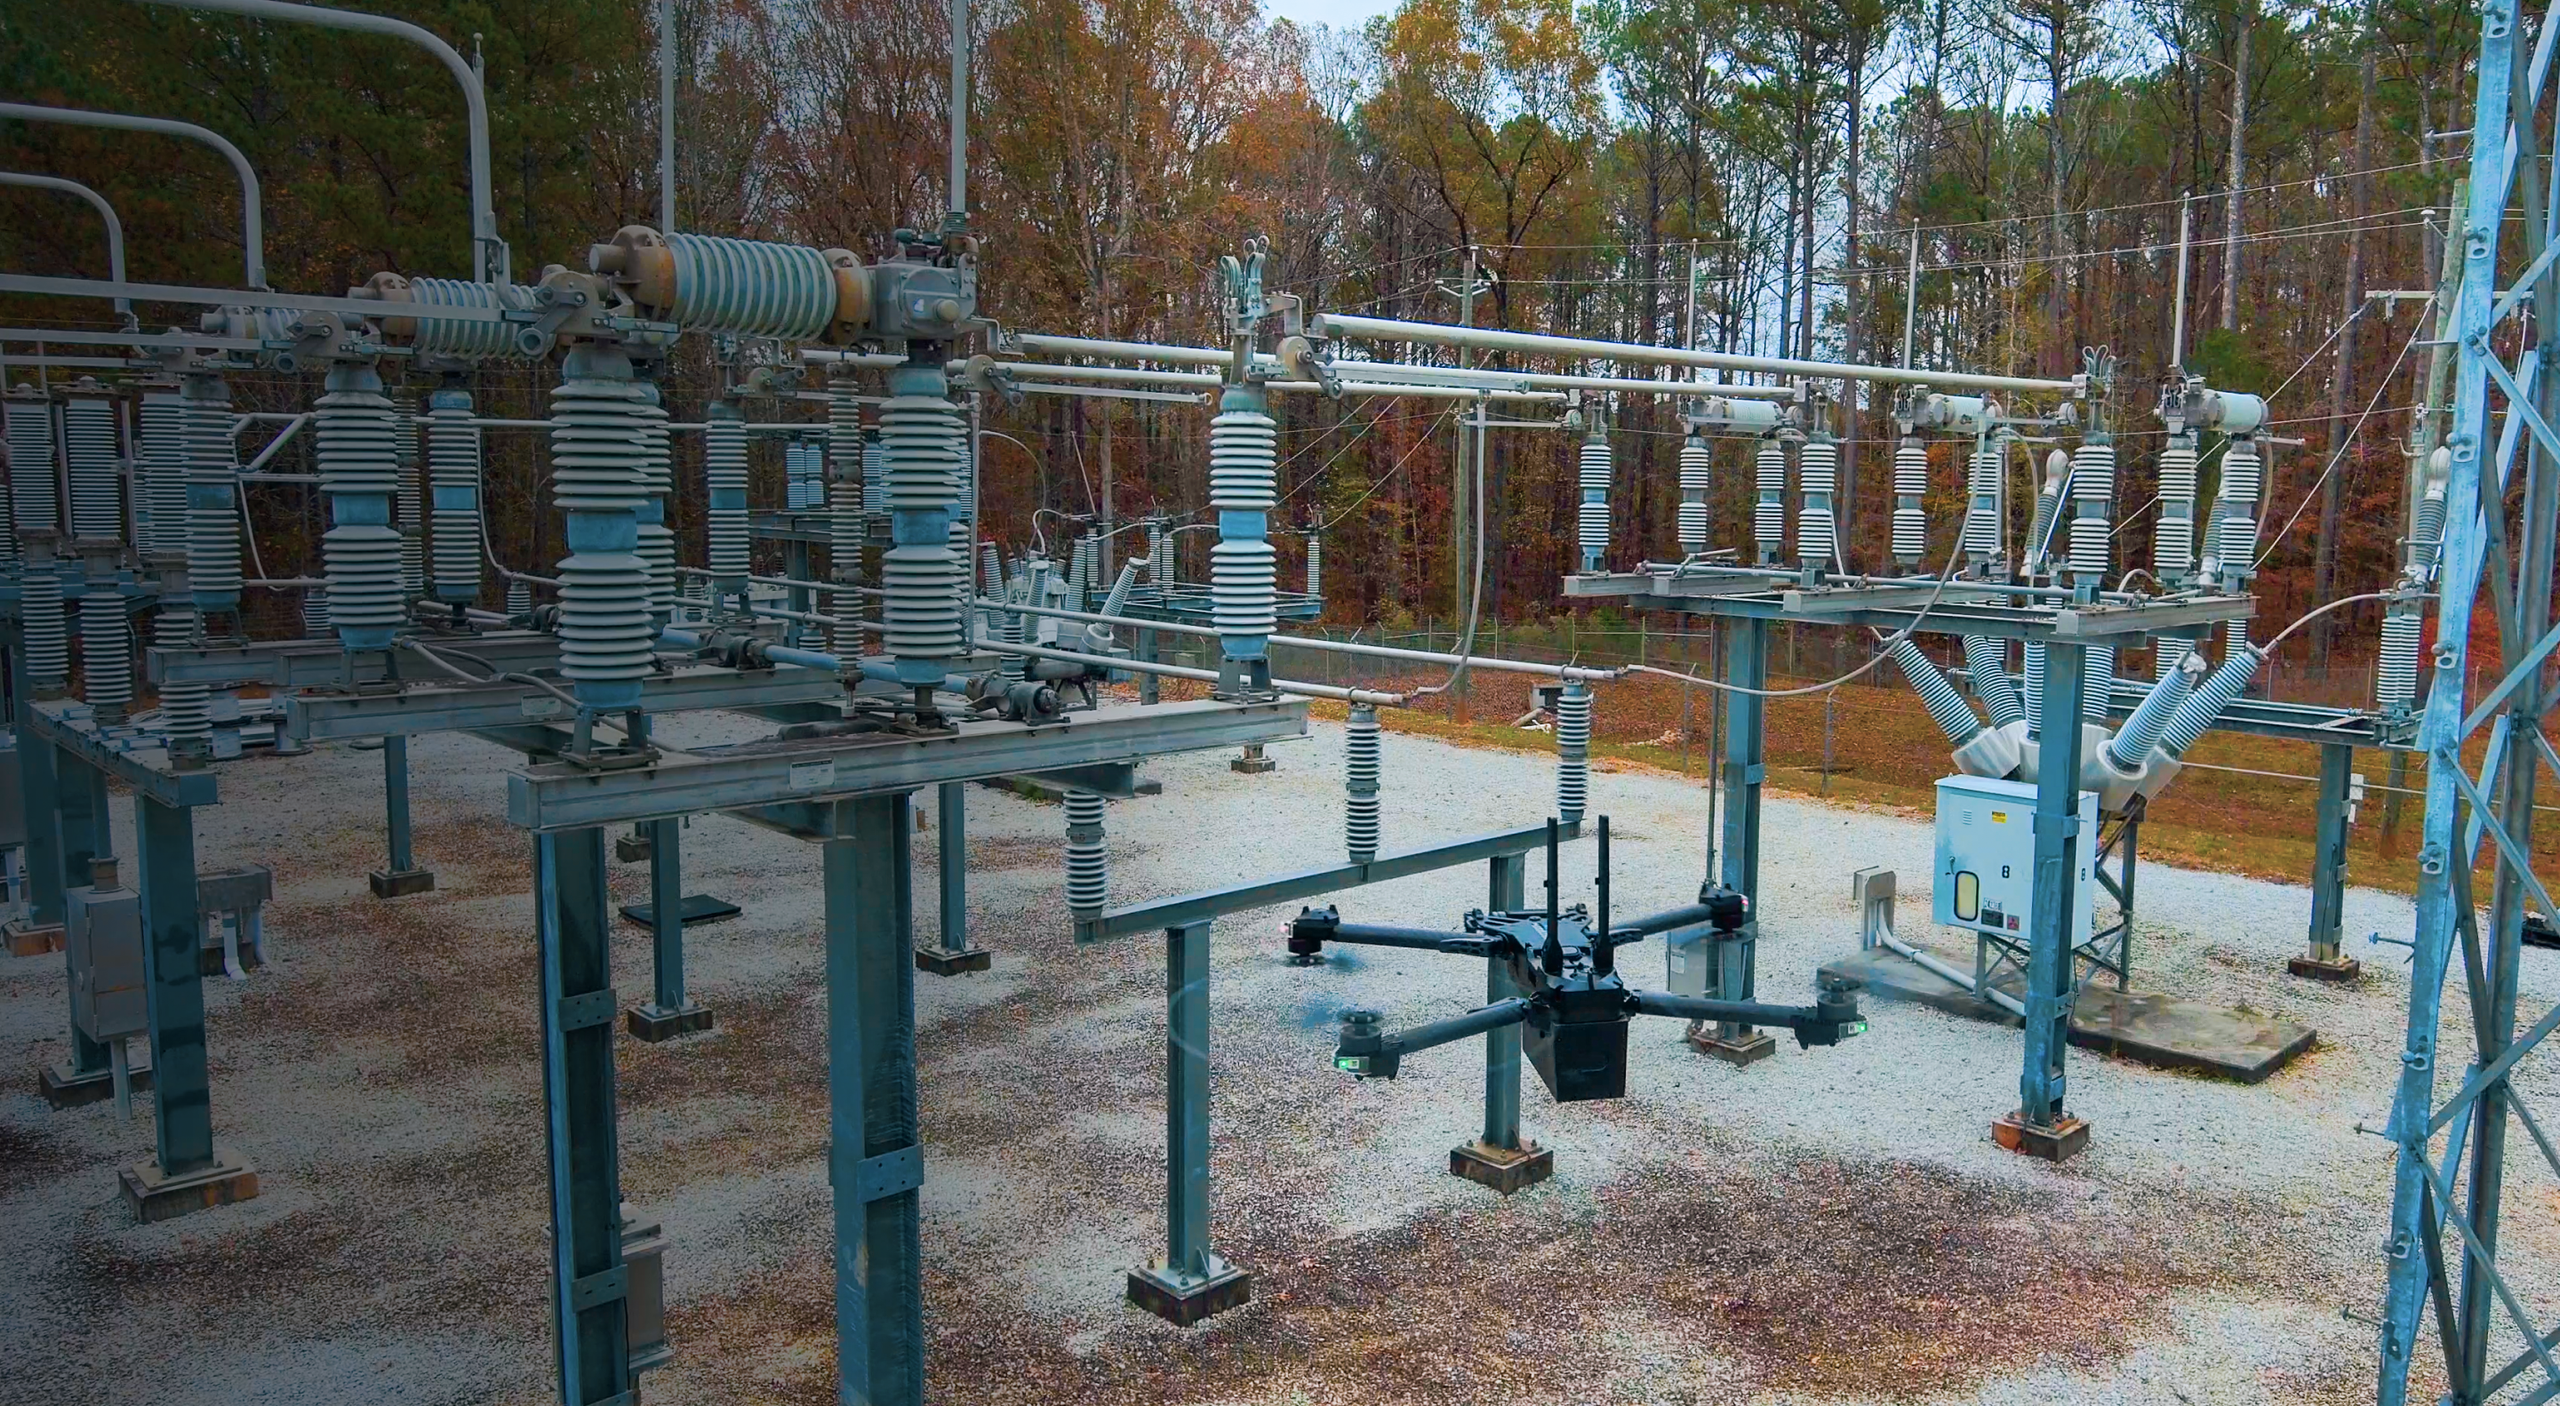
x=1986, y=872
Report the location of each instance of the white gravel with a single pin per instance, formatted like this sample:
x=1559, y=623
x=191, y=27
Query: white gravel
x=383, y=1079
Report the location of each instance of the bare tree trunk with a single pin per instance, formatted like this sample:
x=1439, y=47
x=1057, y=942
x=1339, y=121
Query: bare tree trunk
x=2238, y=167
x=1853, y=291
x=2324, y=567
x=2058, y=78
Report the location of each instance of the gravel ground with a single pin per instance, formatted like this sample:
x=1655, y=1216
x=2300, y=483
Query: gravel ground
x=1826, y=1226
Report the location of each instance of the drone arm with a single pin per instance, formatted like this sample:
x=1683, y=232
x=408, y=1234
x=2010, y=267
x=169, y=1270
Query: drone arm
x=1315, y=927
x=1686, y=916
x=1826, y=1022
x=1369, y=1054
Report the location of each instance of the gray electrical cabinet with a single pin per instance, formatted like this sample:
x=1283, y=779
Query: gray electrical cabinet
x=13, y=811
x=103, y=930
x=1986, y=873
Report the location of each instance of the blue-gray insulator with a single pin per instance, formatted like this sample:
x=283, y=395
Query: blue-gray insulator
x=1947, y=707
x=1987, y=660
x=32, y=501
x=186, y=708
x=1817, y=479
x=875, y=472
x=1315, y=565
x=1082, y=566
x=2173, y=541
x=1573, y=750
x=2097, y=681
x=658, y=480
x=162, y=494
x=1769, y=509
x=1243, y=483
x=599, y=474
x=1910, y=493
x=2233, y=549
x=315, y=612
x=845, y=530
x=355, y=435
x=213, y=486
x=1159, y=561
x=750, y=287
x=1360, y=784
x=412, y=507
x=92, y=463
x=2093, y=492
x=2395, y=669
x=1697, y=479
x=106, y=651
x=1986, y=498
x=2149, y=719
x=2039, y=533
x=2033, y=674
x=519, y=596
x=477, y=341
x=2200, y=709
x=2167, y=654
x=923, y=433
x=2426, y=535
x=844, y=439
x=1597, y=469
x=453, y=480
x=1121, y=585
x=724, y=472
x=47, y=634
x=1088, y=868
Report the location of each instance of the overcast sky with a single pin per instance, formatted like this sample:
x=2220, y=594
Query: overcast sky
x=1341, y=14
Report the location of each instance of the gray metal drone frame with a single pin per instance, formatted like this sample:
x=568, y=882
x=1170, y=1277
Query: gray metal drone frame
x=2460, y=1274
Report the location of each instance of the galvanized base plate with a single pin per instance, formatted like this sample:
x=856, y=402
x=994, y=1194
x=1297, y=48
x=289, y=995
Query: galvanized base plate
x=1254, y=766
x=1750, y=1049
x=631, y=849
x=2315, y=969
x=60, y=1088
x=656, y=1026
x=2060, y=1143
x=1184, y=1301
x=156, y=1195
x=1505, y=1169
x=400, y=884
x=942, y=961
x=24, y=939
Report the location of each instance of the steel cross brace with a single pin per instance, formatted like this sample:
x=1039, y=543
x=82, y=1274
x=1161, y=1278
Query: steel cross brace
x=429, y=707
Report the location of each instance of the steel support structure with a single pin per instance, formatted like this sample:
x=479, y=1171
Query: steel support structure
x=402, y=875
x=1188, y=1282
x=589, y=1284
x=1733, y=962
x=668, y=1013
x=951, y=954
x=2041, y=1126
x=2449, y=1171
x=2324, y=957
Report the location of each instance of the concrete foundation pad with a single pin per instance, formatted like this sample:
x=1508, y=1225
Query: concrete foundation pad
x=943, y=962
x=24, y=939
x=1505, y=1169
x=1750, y=1049
x=2055, y=1144
x=631, y=849
x=2315, y=969
x=388, y=884
x=157, y=1195
x=2162, y=1031
x=60, y=1088
x=1183, y=1300
x=657, y=1026
x=695, y=908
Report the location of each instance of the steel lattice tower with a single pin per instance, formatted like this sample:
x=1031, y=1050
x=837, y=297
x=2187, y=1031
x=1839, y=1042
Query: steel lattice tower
x=2455, y=1124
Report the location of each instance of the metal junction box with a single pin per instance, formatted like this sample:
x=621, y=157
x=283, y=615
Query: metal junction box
x=103, y=930
x=1986, y=872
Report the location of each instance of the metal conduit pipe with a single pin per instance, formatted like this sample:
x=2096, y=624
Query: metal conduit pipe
x=1374, y=651
x=252, y=215
x=1930, y=962
x=489, y=261
x=107, y=212
x=1492, y=339
x=1177, y=671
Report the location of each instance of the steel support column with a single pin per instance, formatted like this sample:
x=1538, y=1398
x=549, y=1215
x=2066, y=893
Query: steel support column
x=403, y=876
x=2040, y=1125
x=573, y=925
x=1499, y=1157
x=951, y=954
x=2324, y=957
x=1734, y=962
x=1189, y=1282
x=873, y=1162
x=668, y=1013
x=181, y=1092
